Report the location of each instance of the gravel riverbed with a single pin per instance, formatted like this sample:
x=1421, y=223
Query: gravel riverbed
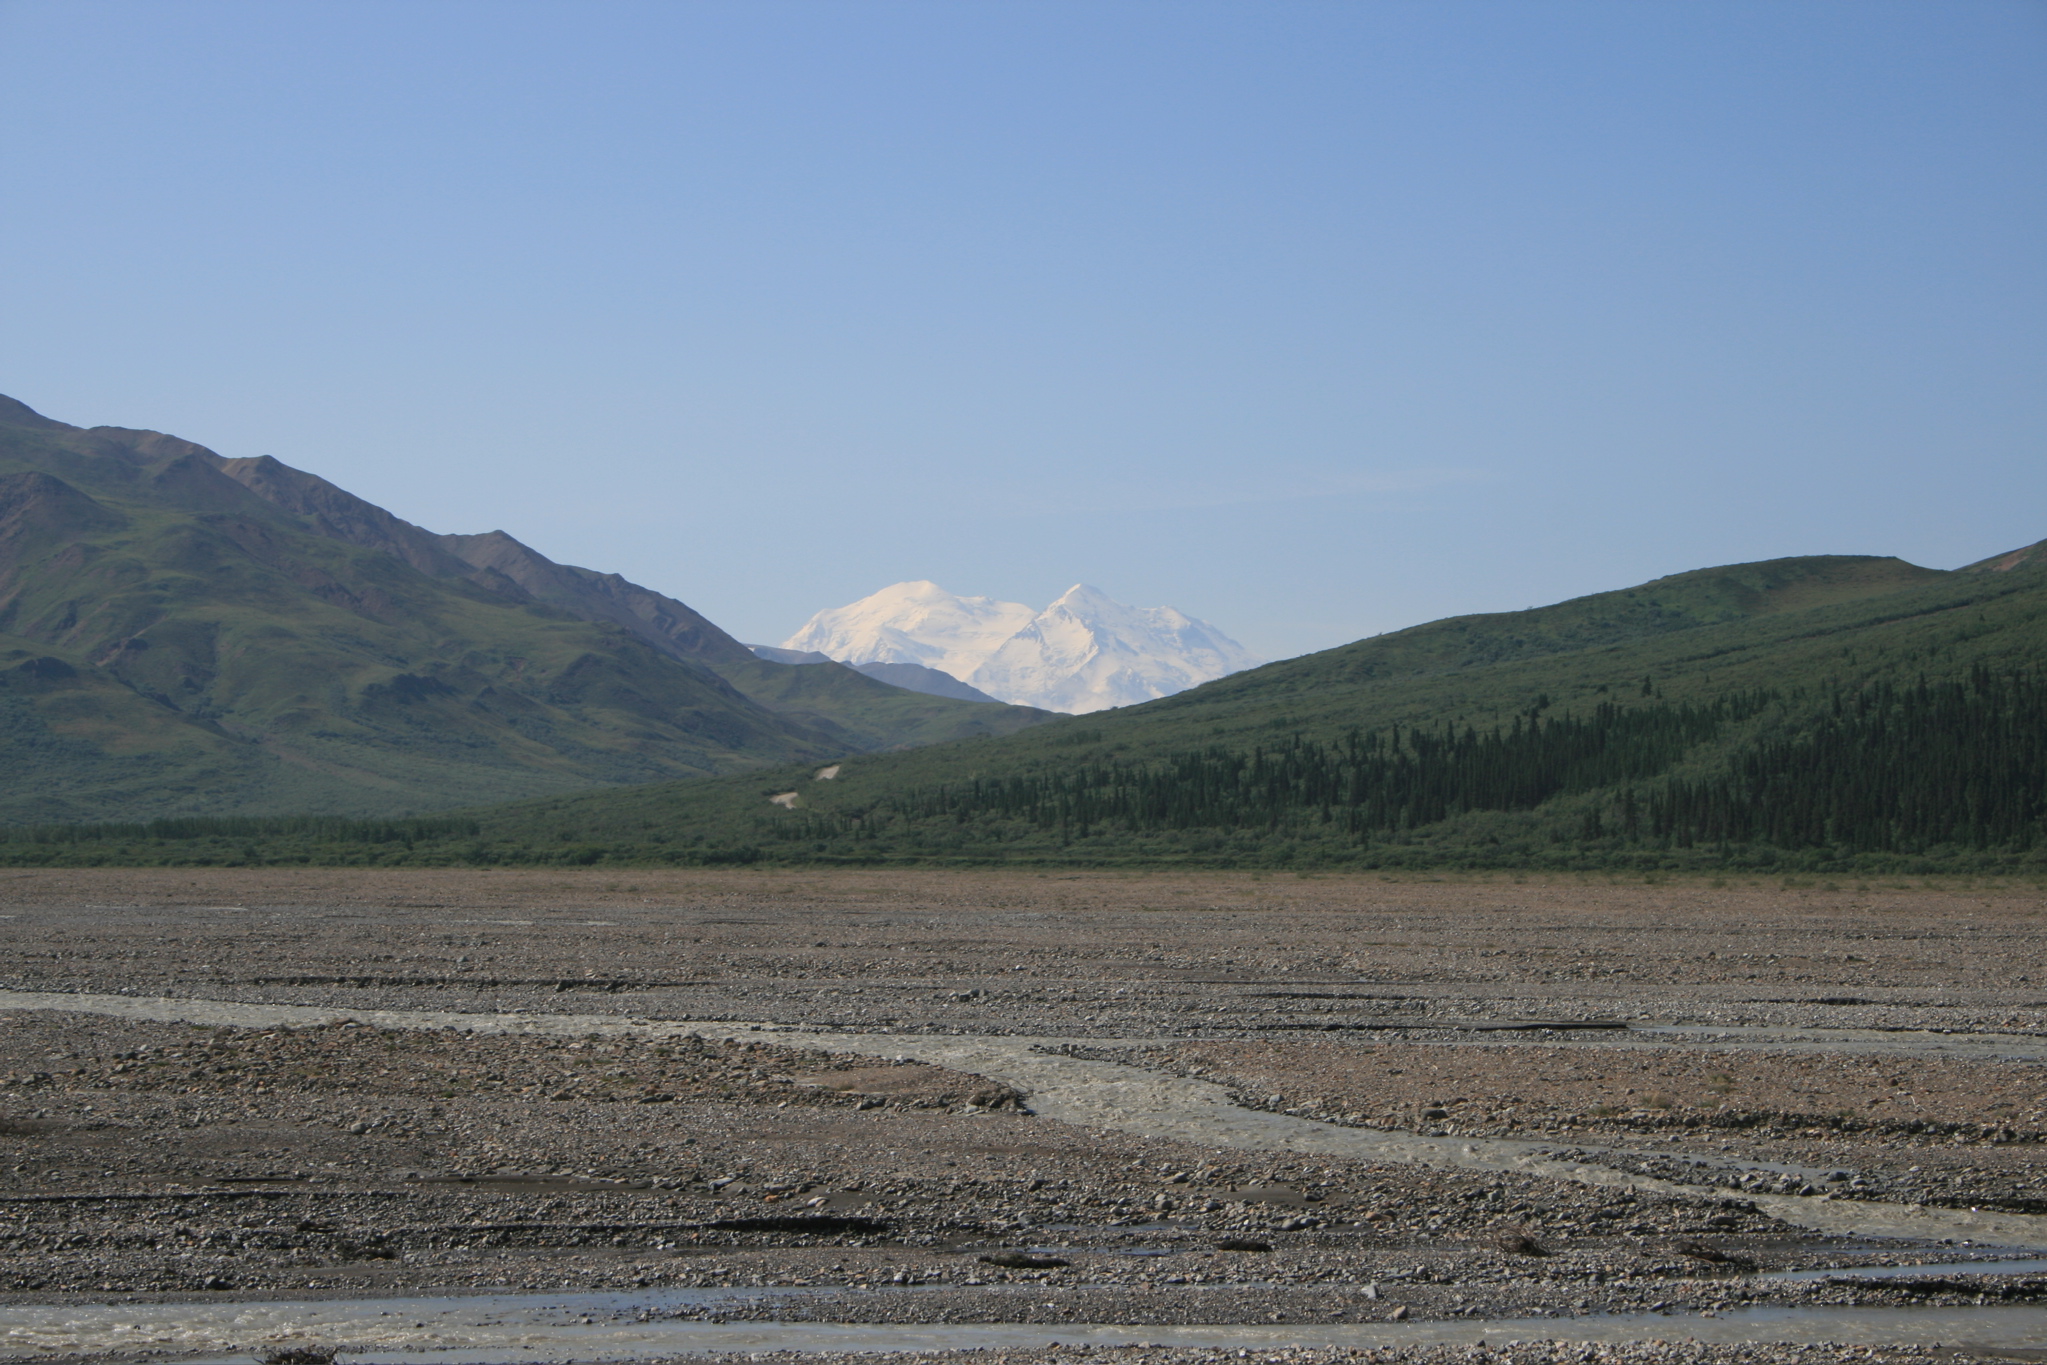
x=147, y=1161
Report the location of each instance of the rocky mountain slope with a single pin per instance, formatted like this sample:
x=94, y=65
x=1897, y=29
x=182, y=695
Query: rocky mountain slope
x=1086, y=652
x=184, y=633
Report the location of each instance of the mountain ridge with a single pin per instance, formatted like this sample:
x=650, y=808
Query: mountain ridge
x=243, y=635
x=2025, y=556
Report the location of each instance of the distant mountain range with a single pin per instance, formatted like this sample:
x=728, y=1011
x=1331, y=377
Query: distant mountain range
x=182, y=633
x=186, y=635
x=1086, y=652
x=1828, y=713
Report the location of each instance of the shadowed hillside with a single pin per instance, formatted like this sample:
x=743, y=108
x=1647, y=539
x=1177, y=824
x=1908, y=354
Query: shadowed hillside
x=186, y=634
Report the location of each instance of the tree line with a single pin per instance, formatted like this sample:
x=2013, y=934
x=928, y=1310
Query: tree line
x=1363, y=782
x=1887, y=769
x=317, y=828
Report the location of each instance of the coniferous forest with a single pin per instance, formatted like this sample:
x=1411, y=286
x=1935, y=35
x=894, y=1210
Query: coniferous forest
x=1366, y=782
x=1886, y=769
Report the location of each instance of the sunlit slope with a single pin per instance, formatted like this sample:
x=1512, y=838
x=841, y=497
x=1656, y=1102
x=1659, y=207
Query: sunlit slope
x=1475, y=667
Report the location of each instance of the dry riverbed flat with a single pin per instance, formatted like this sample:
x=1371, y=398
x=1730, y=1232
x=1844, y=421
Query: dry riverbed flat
x=843, y=1094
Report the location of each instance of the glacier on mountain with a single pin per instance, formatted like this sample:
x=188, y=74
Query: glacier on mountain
x=1085, y=652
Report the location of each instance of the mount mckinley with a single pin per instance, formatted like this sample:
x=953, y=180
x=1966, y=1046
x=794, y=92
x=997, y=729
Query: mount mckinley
x=1086, y=652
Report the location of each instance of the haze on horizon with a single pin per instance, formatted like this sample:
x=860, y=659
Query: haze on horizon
x=1312, y=320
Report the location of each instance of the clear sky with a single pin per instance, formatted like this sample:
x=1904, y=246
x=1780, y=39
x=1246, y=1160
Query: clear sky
x=1314, y=320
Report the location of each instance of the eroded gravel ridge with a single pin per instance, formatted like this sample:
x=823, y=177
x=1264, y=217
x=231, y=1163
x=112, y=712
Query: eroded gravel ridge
x=1942, y=1132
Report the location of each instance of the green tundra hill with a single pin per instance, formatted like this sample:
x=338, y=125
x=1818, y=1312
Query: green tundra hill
x=1823, y=712
x=186, y=635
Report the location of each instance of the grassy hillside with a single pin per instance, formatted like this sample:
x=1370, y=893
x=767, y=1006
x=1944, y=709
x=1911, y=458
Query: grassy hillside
x=1816, y=712
x=180, y=634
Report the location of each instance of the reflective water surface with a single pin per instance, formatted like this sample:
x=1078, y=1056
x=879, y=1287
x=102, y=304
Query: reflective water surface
x=1918, y=1270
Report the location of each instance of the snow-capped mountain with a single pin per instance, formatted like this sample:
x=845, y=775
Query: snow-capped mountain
x=914, y=623
x=1085, y=652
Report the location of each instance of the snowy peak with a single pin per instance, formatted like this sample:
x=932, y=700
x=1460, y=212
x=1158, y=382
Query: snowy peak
x=914, y=623
x=1085, y=652
x=1088, y=652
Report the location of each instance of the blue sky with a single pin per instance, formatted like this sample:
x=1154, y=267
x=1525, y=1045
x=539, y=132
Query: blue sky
x=1314, y=320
